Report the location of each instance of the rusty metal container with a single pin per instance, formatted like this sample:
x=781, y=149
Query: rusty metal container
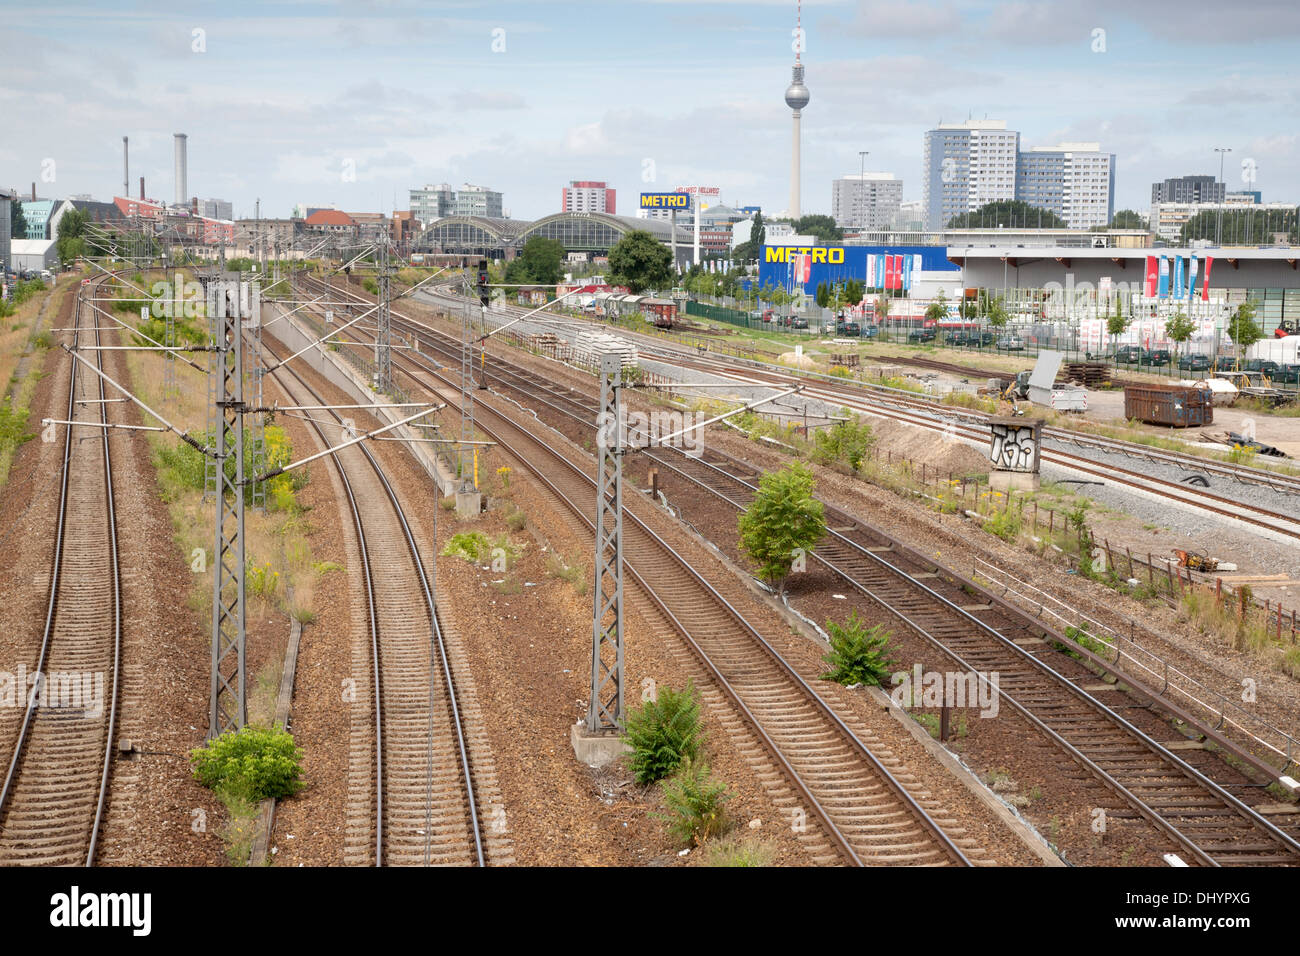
x=1175, y=405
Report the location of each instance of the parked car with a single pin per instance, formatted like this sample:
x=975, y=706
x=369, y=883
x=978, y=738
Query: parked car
x=1265, y=366
x=870, y=330
x=1194, y=362
x=799, y=322
x=921, y=335
x=1011, y=343
x=1287, y=375
x=847, y=328
x=1128, y=354
x=1155, y=357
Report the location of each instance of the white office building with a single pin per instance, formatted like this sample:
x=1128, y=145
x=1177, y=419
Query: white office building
x=432, y=202
x=1168, y=218
x=966, y=165
x=1074, y=180
x=478, y=201
x=866, y=201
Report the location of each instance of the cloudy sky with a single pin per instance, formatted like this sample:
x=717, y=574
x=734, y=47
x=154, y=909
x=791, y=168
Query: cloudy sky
x=351, y=104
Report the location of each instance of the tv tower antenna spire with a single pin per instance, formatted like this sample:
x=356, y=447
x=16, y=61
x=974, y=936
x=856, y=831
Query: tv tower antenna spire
x=798, y=25
x=796, y=97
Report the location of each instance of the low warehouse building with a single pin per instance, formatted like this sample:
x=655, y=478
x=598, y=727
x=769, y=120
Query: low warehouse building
x=33, y=255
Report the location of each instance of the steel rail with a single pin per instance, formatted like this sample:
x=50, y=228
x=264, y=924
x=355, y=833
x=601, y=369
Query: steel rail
x=52, y=606
x=437, y=643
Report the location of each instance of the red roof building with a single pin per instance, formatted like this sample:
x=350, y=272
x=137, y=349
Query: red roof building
x=330, y=220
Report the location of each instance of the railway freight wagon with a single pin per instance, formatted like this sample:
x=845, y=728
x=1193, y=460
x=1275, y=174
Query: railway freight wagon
x=1179, y=406
x=660, y=311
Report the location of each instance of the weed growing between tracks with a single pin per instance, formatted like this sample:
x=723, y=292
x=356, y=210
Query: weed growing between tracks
x=570, y=570
x=859, y=654
x=783, y=523
x=243, y=768
x=666, y=737
x=665, y=731
x=738, y=851
x=276, y=544
x=695, y=804
x=499, y=553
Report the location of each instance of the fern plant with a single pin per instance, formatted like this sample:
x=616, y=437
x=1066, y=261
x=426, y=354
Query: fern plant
x=696, y=804
x=859, y=654
x=663, y=733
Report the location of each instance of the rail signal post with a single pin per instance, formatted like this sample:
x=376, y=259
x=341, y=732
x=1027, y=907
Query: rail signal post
x=596, y=740
x=484, y=302
x=469, y=501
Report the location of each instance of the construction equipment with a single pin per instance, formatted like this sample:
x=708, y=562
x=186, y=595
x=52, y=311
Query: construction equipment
x=1017, y=389
x=1196, y=562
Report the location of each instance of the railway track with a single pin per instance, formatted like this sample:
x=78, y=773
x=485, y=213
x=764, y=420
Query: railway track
x=824, y=387
x=419, y=804
x=869, y=815
x=962, y=424
x=56, y=785
x=1146, y=776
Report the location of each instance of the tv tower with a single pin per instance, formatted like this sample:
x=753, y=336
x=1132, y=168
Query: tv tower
x=796, y=97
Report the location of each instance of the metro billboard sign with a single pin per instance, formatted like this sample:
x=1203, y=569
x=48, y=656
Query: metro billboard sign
x=834, y=255
x=879, y=267
x=678, y=201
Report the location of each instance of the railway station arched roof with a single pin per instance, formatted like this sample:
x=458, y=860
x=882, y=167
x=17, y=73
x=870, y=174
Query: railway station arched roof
x=596, y=231
x=456, y=233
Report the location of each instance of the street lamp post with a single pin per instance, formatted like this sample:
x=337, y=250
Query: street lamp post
x=1218, y=230
x=862, y=184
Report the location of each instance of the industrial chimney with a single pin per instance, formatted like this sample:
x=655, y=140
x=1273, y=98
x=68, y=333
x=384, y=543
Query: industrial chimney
x=126, y=172
x=182, y=192
x=33, y=192
x=141, y=187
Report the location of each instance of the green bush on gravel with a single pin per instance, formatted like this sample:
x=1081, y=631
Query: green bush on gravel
x=696, y=804
x=663, y=733
x=859, y=655
x=251, y=764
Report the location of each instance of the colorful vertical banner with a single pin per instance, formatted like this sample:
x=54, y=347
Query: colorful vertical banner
x=880, y=272
x=1191, y=277
x=1163, y=289
x=870, y=275
x=907, y=272
x=1150, y=289
x=891, y=271
x=898, y=273
x=1178, y=277
x=1205, y=283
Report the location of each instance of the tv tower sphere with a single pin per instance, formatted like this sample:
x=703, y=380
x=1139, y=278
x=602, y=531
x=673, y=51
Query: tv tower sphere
x=796, y=94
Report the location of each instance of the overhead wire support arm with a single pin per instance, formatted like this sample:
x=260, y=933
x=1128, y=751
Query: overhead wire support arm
x=182, y=435
x=339, y=447
x=135, y=331
x=540, y=308
x=717, y=418
x=316, y=343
